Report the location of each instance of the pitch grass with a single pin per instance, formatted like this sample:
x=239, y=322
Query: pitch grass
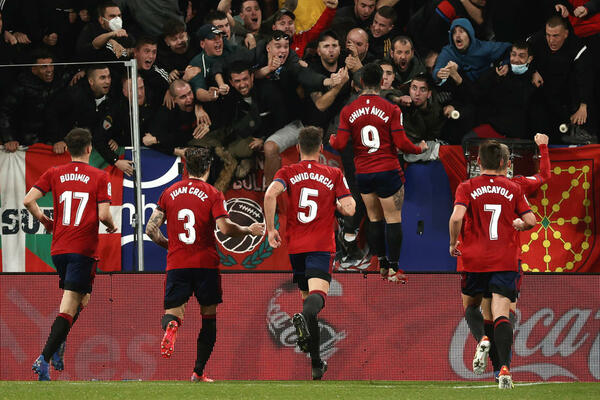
x=295, y=390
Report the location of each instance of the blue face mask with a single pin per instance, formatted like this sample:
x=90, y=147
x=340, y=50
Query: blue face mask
x=519, y=69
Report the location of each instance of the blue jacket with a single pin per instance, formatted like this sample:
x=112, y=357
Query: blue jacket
x=478, y=58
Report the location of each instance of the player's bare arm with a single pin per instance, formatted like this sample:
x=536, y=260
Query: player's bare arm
x=30, y=202
x=153, y=228
x=270, y=203
x=455, y=225
x=526, y=222
x=230, y=228
x=105, y=217
x=346, y=206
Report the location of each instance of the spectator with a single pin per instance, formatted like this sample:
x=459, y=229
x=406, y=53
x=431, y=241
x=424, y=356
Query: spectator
x=357, y=45
x=283, y=20
x=21, y=24
x=272, y=62
x=407, y=64
x=564, y=75
x=85, y=105
x=148, y=16
x=388, y=73
x=472, y=56
x=430, y=25
x=23, y=107
x=107, y=141
x=105, y=39
x=176, y=50
x=172, y=129
x=208, y=85
x=358, y=16
x=423, y=118
x=57, y=27
x=219, y=19
x=505, y=94
x=156, y=79
x=246, y=26
x=324, y=105
x=251, y=117
x=583, y=15
x=382, y=32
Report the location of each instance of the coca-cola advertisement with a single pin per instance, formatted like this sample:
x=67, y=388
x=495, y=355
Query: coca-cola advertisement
x=370, y=329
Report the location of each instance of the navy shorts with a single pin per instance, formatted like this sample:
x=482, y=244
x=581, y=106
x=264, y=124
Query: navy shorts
x=504, y=283
x=76, y=272
x=315, y=264
x=181, y=283
x=384, y=184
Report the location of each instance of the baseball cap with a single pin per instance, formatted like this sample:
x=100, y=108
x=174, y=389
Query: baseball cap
x=208, y=31
x=281, y=12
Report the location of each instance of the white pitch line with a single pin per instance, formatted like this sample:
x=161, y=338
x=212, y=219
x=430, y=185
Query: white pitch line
x=516, y=384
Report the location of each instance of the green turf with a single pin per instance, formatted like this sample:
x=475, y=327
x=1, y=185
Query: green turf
x=294, y=390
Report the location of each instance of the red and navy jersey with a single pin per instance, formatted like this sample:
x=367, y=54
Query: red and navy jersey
x=313, y=190
x=76, y=188
x=191, y=207
x=375, y=126
x=488, y=241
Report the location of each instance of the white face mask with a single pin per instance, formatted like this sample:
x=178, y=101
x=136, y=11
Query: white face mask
x=519, y=69
x=115, y=24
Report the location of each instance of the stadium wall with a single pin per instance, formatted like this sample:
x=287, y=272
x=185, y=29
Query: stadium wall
x=567, y=210
x=370, y=330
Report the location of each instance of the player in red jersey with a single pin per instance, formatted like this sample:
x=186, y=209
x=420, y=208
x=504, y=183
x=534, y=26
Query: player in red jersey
x=481, y=321
x=375, y=126
x=314, y=192
x=81, y=196
x=494, y=208
x=192, y=208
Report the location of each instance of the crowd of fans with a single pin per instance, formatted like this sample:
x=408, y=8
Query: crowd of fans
x=240, y=76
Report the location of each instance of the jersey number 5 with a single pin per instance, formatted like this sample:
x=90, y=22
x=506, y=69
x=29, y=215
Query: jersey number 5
x=189, y=236
x=496, y=210
x=369, y=136
x=305, y=202
x=67, y=198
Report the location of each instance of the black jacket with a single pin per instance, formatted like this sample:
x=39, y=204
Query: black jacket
x=259, y=119
x=76, y=107
x=173, y=128
x=504, y=102
x=567, y=73
x=23, y=108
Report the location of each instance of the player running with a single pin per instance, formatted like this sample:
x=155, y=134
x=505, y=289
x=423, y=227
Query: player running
x=314, y=192
x=480, y=321
x=375, y=126
x=492, y=207
x=192, y=208
x=81, y=197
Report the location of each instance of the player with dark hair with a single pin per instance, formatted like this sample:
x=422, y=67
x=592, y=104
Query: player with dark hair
x=375, y=126
x=494, y=209
x=314, y=192
x=192, y=208
x=81, y=196
x=480, y=321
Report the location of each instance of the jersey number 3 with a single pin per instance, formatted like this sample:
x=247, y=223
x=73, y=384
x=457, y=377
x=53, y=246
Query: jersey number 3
x=187, y=216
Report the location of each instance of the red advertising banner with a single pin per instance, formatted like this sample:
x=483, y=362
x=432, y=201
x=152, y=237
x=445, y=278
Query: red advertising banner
x=370, y=330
